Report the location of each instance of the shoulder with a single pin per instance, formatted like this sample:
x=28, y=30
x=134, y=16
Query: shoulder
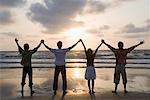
x=53, y=50
x=65, y=49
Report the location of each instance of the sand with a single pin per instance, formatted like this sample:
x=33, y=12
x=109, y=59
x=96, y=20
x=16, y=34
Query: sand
x=138, y=85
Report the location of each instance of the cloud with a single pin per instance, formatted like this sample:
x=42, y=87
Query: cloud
x=132, y=31
x=147, y=21
x=6, y=17
x=11, y=3
x=131, y=28
x=122, y=1
x=100, y=6
x=94, y=6
x=56, y=15
x=11, y=34
x=59, y=15
x=101, y=29
x=105, y=27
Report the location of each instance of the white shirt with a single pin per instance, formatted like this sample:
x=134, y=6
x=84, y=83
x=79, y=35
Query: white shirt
x=60, y=55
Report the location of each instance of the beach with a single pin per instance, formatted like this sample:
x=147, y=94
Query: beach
x=138, y=85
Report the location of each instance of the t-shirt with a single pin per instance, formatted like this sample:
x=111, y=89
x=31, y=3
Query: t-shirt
x=121, y=55
x=60, y=55
x=26, y=57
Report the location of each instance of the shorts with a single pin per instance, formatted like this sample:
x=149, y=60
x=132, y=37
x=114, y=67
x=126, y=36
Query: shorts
x=120, y=69
x=90, y=73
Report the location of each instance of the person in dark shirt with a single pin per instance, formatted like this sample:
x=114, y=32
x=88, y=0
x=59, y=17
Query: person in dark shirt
x=121, y=56
x=90, y=73
x=26, y=63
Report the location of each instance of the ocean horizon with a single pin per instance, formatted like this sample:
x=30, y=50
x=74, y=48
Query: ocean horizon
x=76, y=59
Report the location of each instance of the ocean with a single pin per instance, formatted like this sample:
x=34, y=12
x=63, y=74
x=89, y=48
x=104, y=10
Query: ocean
x=76, y=59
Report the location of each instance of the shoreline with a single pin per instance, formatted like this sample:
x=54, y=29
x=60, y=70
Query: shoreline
x=138, y=85
x=107, y=67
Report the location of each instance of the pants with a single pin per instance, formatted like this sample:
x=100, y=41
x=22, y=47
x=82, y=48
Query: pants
x=27, y=70
x=120, y=69
x=59, y=69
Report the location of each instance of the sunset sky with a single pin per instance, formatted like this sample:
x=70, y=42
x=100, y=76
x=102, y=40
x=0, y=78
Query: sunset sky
x=69, y=20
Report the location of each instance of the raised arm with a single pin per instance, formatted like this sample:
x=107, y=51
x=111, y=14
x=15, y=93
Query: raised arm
x=133, y=47
x=74, y=45
x=83, y=46
x=42, y=41
x=36, y=48
x=19, y=48
x=109, y=46
x=97, y=49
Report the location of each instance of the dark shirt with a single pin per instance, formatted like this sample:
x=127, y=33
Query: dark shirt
x=26, y=57
x=121, y=55
x=90, y=59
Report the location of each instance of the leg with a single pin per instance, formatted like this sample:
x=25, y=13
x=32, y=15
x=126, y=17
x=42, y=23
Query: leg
x=55, y=84
x=63, y=73
x=89, y=86
x=23, y=81
x=93, y=86
x=116, y=85
x=30, y=81
x=116, y=80
x=124, y=78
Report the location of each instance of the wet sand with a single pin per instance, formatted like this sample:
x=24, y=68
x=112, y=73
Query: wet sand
x=138, y=85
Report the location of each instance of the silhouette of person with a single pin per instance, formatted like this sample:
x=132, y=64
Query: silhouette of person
x=26, y=63
x=60, y=64
x=121, y=56
x=90, y=73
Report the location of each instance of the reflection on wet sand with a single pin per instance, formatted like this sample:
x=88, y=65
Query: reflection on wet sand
x=138, y=84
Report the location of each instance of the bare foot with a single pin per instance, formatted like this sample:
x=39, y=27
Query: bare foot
x=93, y=92
x=64, y=92
x=125, y=91
x=90, y=92
x=54, y=91
x=114, y=91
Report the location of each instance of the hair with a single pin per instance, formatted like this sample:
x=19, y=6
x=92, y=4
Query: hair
x=120, y=44
x=90, y=51
x=26, y=46
x=59, y=44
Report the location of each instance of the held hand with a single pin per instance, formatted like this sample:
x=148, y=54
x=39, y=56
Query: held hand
x=102, y=41
x=141, y=42
x=79, y=40
x=42, y=41
x=16, y=39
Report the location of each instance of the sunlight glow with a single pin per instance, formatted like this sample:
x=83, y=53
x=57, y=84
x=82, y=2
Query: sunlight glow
x=77, y=33
x=77, y=73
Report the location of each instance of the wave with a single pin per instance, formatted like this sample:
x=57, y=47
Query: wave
x=103, y=58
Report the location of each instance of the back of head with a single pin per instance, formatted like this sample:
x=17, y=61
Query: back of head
x=59, y=44
x=89, y=51
x=26, y=46
x=120, y=45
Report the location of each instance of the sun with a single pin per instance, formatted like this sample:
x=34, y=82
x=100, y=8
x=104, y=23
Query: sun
x=77, y=33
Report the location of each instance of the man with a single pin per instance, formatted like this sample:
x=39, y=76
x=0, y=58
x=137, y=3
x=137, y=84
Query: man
x=60, y=64
x=26, y=63
x=121, y=56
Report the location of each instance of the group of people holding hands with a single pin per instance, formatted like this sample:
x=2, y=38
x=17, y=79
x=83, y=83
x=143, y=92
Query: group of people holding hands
x=90, y=73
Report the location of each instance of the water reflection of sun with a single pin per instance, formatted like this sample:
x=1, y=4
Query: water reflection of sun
x=77, y=71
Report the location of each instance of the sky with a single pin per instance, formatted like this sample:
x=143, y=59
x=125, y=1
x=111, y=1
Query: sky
x=69, y=20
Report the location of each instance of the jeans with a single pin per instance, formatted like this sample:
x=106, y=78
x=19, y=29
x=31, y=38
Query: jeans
x=59, y=69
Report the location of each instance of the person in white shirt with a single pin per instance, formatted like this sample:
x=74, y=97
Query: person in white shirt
x=60, y=55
